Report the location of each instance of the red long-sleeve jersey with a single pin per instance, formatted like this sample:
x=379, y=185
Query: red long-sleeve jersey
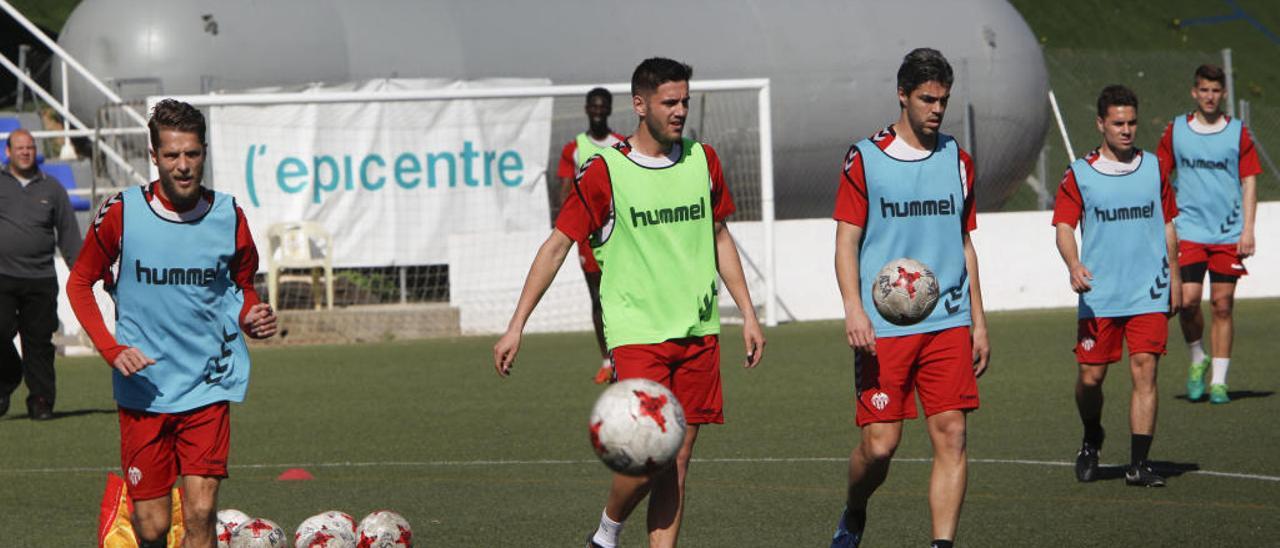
x=100, y=255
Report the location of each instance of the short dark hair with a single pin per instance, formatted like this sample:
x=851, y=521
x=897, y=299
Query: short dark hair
x=1116, y=95
x=600, y=92
x=655, y=71
x=175, y=115
x=1212, y=73
x=924, y=65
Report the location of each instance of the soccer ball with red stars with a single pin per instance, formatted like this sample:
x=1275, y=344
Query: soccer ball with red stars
x=384, y=529
x=905, y=291
x=228, y=521
x=259, y=533
x=332, y=529
x=637, y=427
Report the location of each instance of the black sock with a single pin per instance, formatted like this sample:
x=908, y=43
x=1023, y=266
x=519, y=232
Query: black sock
x=1093, y=433
x=940, y=543
x=1139, y=446
x=855, y=520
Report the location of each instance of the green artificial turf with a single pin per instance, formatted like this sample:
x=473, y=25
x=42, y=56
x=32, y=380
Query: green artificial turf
x=427, y=429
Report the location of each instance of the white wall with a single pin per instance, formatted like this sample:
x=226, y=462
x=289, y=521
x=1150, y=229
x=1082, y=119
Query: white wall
x=1020, y=269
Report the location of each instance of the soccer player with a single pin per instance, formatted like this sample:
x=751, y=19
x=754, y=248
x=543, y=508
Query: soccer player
x=653, y=208
x=575, y=155
x=908, y=192
x=179, y=261
x=1217, y=204
x=1125, y=209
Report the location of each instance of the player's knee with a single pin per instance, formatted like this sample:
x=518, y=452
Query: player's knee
x=1222, y=307
x=879, y=448
x=1091, y=377
x=151, y=531
x=199, y=514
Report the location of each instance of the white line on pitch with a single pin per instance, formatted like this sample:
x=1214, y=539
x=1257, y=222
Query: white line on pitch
x=538, y=462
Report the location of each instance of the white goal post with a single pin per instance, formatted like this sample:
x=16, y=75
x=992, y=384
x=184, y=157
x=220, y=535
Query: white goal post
x=758, y=254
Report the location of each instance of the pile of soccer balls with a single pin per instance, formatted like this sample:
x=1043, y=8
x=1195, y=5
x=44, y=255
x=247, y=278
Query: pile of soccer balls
x=332, y=529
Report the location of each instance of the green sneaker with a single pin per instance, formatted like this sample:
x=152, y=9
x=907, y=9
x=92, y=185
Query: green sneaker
x=1218, y=394
x=1195, y=380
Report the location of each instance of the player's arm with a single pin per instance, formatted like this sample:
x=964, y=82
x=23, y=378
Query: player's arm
x=100, y=250
x=1249, y=197
x=857, y=325
x=1079, y=274
x=1175, y=273
x=257, y=319
x=541, y=273
x=730, y=265
x=977, y=314
x=1068, y=207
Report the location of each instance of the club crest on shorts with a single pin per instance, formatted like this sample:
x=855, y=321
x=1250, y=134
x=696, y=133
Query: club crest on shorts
x=879, y=401
x=135, y=476
x=1087, y=343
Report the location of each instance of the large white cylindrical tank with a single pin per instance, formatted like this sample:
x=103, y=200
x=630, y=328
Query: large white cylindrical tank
x=832, y=63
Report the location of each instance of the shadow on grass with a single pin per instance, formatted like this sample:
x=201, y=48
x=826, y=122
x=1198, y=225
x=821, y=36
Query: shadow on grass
x=1233, y=394
x=1167, y=469
x=81, y=412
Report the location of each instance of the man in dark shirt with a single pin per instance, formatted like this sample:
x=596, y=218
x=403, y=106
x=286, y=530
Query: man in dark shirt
x=35, y=217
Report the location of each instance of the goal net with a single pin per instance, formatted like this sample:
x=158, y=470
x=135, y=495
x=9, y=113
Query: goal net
x=397, y=209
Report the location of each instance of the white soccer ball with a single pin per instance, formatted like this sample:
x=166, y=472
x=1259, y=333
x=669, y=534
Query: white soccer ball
x=905, y=291
x=383, y=529
x=332, y=529
x=259, y=533
x=637, y=427
x=228, y=521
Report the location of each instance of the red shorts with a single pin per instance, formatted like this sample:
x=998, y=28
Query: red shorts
x=690, y=367
x=156, y=448
x=1099, y=340
x=587, y=259
x=1222, y=258
x=939, y=365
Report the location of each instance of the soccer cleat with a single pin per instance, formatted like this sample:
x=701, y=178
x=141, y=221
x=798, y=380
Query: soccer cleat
x=1195, y=380
x=4, y=404
x=591, y=541
x=843, y=537
x=1143, y=476
x=604, y=375
x=39, y=409
x=1087, y=463
x=1218, y=394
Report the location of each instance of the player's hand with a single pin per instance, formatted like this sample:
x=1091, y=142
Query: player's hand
x=858, y=331
x=504, y=352
x=260, y=321
x=1080, y=277
x=1246, y=246
x=131, y=361
x=753, y=337
x=981, y=352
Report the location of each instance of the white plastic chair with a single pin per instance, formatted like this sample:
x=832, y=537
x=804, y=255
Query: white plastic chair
x=300, y=245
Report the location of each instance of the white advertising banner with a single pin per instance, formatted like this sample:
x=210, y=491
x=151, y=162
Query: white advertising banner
x=390, y=181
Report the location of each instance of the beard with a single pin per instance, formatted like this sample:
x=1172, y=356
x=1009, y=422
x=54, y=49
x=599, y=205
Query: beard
x=182, y=199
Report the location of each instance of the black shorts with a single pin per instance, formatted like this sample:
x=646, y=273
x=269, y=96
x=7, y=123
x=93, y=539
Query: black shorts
x=1194, y=274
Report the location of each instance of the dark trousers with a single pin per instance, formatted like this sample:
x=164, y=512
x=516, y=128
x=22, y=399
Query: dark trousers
x=28, y=308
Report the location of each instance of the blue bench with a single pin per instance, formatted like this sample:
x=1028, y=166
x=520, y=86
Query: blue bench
x=65, y=175
x=7, y=125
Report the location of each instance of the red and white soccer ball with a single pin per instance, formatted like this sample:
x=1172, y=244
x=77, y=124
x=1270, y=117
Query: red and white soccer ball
x=332, y=529
x=259, y=533
x=637, y=427
x=905, y=291
x=383, y=529
x=228, y=521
